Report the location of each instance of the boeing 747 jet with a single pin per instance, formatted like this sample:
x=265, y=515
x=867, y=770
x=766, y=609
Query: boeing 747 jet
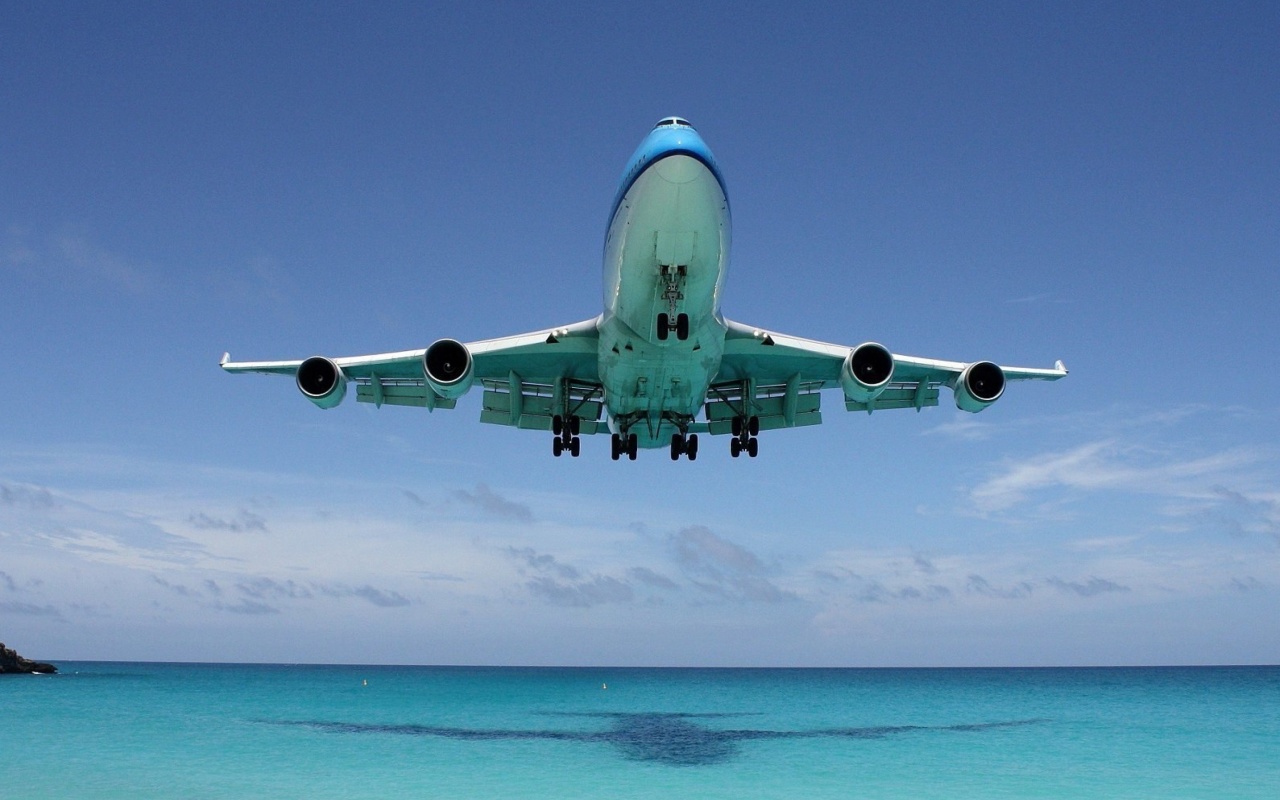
x=661, y=364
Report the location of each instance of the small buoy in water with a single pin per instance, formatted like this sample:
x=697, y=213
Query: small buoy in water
x=604, y=686
x=366, y=682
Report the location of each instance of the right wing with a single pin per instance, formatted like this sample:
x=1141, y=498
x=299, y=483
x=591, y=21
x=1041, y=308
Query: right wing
x=778, y=378
x=528, y=378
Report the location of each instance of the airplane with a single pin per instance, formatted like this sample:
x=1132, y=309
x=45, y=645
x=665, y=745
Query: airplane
x=661, y=364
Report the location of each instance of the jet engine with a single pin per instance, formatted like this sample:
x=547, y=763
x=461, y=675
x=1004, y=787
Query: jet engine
x=980, y=385
x=322, y=381
x=866, y=372
x=448, y=368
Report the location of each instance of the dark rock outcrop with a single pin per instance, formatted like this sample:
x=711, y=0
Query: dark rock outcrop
x=12, y=663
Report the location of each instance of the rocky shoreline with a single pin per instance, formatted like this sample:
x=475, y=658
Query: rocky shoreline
x=13, y=664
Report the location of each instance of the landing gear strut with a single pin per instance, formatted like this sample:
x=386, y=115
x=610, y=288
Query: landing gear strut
x=566, y=433
x=672, y=278
x=745, y=433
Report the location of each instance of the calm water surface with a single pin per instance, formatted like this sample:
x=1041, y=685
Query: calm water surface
x=123, y=730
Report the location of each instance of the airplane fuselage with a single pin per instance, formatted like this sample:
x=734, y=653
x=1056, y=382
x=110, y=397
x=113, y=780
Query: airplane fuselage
x=665, y=258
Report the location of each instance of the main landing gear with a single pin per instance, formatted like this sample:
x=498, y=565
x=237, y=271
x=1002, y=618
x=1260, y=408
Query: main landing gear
x=684, y=445
x=626, y=443
x=745, y=433
x=566, y=433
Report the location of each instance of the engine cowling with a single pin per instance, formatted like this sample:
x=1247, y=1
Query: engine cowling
x=322, y=381
x=980, y=385
x=866, y=371
x=448, y=368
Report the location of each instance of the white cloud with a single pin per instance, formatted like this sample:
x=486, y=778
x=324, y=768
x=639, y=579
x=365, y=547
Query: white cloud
x=1109, y=466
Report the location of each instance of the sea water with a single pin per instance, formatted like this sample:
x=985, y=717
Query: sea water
x=125, y=730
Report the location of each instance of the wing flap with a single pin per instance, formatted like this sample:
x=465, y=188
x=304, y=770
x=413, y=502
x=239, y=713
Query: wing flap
x=531, y=406
x=916, y=397
x=401, y=393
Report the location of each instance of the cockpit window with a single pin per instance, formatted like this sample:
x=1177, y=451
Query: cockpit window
x=677, y=121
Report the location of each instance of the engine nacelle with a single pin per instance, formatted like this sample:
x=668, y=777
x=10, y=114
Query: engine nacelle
x=322, y=381
x=448, y=368
x=980, y=385
x=866, y=372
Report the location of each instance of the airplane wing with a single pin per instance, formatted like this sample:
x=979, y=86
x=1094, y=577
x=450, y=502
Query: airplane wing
x=778, y=378
x=527, y=378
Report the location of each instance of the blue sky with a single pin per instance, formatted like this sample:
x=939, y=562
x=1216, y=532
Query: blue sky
x=1019, y=182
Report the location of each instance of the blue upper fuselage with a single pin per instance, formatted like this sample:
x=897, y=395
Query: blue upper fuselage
x=673, y=136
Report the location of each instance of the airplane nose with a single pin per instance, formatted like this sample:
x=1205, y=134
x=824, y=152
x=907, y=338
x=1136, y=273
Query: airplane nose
x=679, y=169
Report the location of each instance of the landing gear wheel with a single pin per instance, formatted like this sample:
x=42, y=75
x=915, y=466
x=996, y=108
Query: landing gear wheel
x=664, y=326
x=677, y=446
x=615, y=447
x=737, y=426
x=753, y=447
x=691, y=447
x=557, y=425
x=753, y=426
x=557, y=446
x=633, y=446
x=682, y=326
x=575, y=447
x=575, y=425
x=735, y=447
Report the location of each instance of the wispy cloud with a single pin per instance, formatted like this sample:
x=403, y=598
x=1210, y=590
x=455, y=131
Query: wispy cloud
x=243, y=521
x=724, y=568
x=592, y=592
x=37, y=514
x=1106, y=465
x=30, y=610
x=490, y=502
x=70, y=255
x=6, y=580
x=650, y=578
x=1090, y=588
x=564, y=584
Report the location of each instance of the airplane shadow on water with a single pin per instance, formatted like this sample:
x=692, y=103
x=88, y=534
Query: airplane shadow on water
x=675, y=739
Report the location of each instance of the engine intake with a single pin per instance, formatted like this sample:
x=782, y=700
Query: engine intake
x=448, y=368
x=322, y=381
x=866, y=371
x=980, y=385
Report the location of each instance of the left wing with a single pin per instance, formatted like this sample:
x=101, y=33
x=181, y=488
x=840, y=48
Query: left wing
x=528, y=378
x=777, y=378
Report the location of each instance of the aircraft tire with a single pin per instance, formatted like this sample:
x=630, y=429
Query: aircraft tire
x=691, y=447
x=557, y=447
x=664, y=326
x=633, y=446
x=575, y=425
x=735, y=447
x=575, y=447
x=753, y=448
x=557, y=424
x=682, y=327
x=753, y=426
x=736, y=426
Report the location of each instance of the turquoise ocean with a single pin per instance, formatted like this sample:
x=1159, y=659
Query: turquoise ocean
x=130, y=730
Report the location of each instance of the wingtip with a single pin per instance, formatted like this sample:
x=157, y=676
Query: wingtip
x=227, y=357
x=1060, y=367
